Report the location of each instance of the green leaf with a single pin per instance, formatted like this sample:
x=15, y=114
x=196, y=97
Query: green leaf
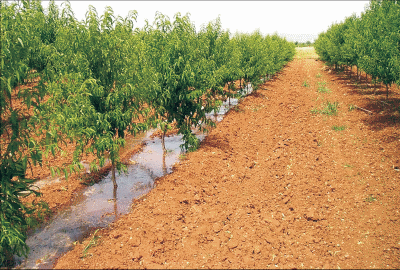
x=20, y=41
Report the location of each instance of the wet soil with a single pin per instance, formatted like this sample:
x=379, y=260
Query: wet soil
x=100, y=204
x=275, y=184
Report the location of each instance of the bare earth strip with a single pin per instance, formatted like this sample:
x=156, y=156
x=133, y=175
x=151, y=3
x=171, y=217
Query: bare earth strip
x=273, y=185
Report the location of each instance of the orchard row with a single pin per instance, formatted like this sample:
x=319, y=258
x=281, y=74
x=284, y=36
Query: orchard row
x=371, y=42
x=101, y=77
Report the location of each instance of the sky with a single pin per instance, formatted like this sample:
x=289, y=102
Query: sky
x=296, y=20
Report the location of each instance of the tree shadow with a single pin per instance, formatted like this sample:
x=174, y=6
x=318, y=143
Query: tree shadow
x=379, y=121
x=215, y=141
x=386, y=111
x=258, y=94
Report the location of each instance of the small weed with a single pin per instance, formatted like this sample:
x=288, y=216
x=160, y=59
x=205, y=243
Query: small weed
x=330, y=108
x=351, y=107
x=237, y=109
x=348, y=166
x=305, y=84
x=182, y=156
x=92, y=243
x=370, y=198
x=338, y=128
x=314, y=111
x=88, y=182
x=319, y=75
x=322, y=88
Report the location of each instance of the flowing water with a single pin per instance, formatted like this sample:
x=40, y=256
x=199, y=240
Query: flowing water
x=99, y=205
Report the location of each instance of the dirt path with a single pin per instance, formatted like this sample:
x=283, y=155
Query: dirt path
x=273, y=185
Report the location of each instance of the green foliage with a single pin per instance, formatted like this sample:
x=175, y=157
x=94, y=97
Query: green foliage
x=371, y=46
x=351, y=107
x=314, y=111
x=303, y=44
x=18, y=149
x=99, y=79
x=328, y=108
x=338, y=128
x=305, y=84
x=93, y=242
x=262, y=56
x=187, y=72
x=322, y=88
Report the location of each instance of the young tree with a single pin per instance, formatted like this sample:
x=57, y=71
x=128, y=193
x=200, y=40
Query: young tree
x=99, y=106
x=380, y=52
x=184, y=75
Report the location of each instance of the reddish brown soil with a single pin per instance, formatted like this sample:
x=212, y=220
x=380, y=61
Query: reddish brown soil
x=273, y=185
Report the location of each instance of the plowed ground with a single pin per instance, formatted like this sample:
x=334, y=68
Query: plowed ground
x=273, y=185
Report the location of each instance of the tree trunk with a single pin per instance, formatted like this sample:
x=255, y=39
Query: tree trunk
x=387, y=91
x=115, y=202
x=350, y=71
x=229, y=94
x=357, y=72
x=163, y=141
x=113, y=175
x=164, y=165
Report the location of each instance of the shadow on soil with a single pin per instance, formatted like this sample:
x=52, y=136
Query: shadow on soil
x=215, y=141
x=386, y=111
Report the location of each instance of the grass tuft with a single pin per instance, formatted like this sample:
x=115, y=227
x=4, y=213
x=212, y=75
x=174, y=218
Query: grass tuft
x=330, y=108
x=314, y=111
x=370, y=198
x=338, y=128
x=92, y=243
x=322, y=88
x=351, y=107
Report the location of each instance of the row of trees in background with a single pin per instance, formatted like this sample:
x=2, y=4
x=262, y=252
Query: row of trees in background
x=100, y=78
x=370, y=42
